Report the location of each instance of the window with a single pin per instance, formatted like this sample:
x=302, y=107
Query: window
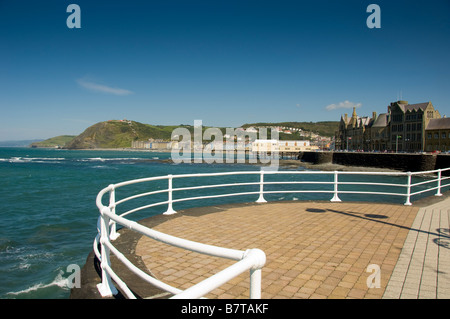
x=429, y=136
x=443, y=135
x=436, y=135
x=397, y=117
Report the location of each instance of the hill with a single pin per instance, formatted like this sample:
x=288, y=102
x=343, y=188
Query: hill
x=118, y=134
x=54, y=141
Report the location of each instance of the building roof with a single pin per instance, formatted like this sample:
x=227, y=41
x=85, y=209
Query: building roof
x=363, y=121
x=439, y=124
x=381, y=121
x=413, y=107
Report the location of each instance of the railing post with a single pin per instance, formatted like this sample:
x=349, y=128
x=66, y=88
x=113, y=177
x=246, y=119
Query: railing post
x=170, y=210
x=336, y=182
x=112, y=206
x=408, y=190
x=438, y=193
x=261, y=188
x=259, y=259
x=106, y=287
x=255, y=283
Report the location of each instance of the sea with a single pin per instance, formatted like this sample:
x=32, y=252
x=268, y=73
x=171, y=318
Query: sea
x=49, y=216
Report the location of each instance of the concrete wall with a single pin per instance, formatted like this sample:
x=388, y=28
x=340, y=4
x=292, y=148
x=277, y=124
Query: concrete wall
x=402, y=162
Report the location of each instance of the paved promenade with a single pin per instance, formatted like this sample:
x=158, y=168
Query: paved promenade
x=423, y=268
x=313, y=249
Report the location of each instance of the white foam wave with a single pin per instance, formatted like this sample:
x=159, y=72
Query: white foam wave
x=59, y=281
x=59, y=159
x=33, y=159
x=101, y=159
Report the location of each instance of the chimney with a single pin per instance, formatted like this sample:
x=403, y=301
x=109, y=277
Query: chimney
x=374, y=115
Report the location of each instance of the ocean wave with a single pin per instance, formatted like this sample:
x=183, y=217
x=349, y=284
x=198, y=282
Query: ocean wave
x=58, y=281
x=24, y=257
x=50, y=160
x=33, y=159
x=109, y=159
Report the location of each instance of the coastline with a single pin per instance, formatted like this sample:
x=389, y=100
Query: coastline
x=285, y=163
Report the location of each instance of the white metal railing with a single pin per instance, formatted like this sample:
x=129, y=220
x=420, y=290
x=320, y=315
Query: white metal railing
x=251, y=259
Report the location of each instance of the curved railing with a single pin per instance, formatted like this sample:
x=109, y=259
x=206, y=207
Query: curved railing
x=251, y=259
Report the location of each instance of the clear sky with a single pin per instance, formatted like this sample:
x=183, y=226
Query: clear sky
x=224, y=62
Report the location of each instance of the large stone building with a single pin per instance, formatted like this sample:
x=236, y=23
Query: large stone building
x=401, y=129
x=437, y=135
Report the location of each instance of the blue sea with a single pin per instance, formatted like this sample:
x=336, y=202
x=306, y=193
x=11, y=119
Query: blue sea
x=49, y=217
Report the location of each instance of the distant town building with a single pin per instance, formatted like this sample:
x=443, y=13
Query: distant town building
x=268, y=146
x=401, y=129
x=152, y=144
x=264, y=146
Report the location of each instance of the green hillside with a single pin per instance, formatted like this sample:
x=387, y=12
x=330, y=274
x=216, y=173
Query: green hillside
x=54, y=141
x=117, y=134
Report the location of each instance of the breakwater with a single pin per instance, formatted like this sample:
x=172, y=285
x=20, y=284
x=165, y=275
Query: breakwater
x=402, y=162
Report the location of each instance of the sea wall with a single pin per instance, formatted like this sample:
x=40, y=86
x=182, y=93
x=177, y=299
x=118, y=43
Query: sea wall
x=316, y=157
x=402, y=162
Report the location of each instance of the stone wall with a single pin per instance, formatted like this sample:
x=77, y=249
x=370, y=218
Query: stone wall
x=402, y=162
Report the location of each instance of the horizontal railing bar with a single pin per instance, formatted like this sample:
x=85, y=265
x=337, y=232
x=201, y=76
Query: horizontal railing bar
x=119, y=281
x=371, y=193
x=214, y=196
x=430, y=171
x=374, y=184
x=297, y=191
x=424, y=182
x=425, y=190
x=298, y=172
x=373, y=173
x=141, y=180
x=213, y=186
x=299, y=182
x=141, y=195
x=176, y=241
x=143, y=207
x=216, y=280
x=216, y=174
x=140, y=273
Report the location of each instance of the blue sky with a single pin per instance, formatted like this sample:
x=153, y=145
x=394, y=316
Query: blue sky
x=223, y=62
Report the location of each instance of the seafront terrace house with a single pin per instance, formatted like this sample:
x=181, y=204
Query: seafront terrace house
x=401, y=129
